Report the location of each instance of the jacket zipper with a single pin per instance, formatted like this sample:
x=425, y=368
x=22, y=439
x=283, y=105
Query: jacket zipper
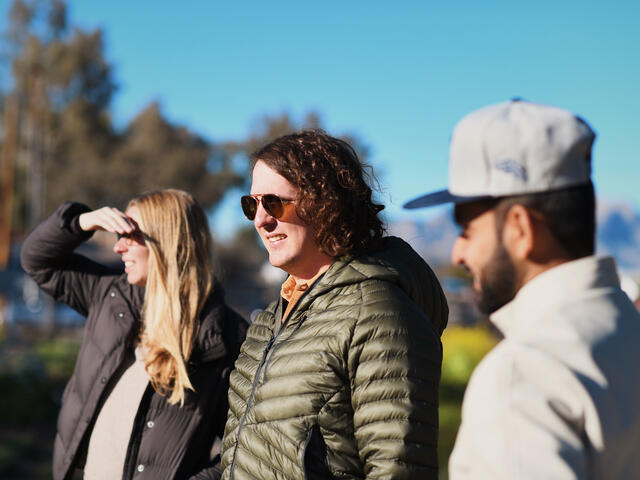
x=293, y=310
x=253, y=391
x=263, y=364
x=273, y=351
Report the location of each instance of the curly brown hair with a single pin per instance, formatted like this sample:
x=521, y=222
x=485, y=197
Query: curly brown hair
x=335, y=197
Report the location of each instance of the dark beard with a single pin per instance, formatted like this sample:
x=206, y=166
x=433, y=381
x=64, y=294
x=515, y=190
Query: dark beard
x=497, y=281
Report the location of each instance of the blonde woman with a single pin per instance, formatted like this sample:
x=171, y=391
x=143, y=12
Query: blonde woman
x=148, y=396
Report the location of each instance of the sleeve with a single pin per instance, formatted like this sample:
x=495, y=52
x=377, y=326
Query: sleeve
x=213, y=470
x=235, y=328
x=47, y=257
x=521, y=418
x=394, y=362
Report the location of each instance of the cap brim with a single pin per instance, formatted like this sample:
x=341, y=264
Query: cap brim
x=439, y=198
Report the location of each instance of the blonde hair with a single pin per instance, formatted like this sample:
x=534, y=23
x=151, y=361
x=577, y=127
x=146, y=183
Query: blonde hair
x=179, y=281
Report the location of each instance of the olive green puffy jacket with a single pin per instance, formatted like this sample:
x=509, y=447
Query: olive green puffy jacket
x=347, y=387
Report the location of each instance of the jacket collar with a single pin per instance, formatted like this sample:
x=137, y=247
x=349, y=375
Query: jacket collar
x=553, y=287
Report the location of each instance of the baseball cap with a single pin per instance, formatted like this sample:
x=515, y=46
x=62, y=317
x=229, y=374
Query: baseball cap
x=514, y=148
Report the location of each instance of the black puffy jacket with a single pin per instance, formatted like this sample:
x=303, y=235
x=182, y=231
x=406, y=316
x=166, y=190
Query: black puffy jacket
x=167, y=441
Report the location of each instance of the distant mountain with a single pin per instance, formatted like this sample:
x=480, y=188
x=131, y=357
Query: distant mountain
x=432, y=239
x=618, y=235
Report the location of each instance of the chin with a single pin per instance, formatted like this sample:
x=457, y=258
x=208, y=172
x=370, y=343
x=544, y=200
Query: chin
x=139, y=282
x=276, y=261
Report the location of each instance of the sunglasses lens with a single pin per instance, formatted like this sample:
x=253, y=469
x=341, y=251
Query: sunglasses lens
x=273, y=205
x=249, y=206
x=132, y=238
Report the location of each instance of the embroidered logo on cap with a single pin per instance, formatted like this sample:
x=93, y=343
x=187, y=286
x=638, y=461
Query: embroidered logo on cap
x=511, y=166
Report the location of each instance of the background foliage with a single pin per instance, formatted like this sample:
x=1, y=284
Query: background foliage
x=67, y=147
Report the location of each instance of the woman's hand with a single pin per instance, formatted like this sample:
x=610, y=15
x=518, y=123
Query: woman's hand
x=108, y=219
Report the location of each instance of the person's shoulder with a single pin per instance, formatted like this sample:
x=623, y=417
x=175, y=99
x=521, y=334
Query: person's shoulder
x=112, y=284
x=396, y=270
x=115, y=281
x=262, y=323
x=382, y=292
x=583, y=324
x=265, y=315
x=515, y=366
x=492, y=371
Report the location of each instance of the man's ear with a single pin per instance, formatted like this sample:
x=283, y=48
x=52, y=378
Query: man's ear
x=518, y=232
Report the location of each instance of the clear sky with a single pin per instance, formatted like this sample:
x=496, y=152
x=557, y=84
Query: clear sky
x=399, y=74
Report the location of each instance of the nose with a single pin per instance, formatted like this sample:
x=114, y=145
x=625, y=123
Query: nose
x=262, y=218
x=458, y=251
x=120, y=246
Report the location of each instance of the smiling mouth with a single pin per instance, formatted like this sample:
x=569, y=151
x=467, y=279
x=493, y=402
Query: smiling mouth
x=276, y=238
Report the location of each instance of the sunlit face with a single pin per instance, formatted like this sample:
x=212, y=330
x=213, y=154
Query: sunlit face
x=480, y=250
x=289, y=241
x=134, y=253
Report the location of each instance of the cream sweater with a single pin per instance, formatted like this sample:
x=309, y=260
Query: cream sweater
x=111, y=433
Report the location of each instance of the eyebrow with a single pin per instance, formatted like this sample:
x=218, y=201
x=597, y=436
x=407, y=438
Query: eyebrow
x=474, y=211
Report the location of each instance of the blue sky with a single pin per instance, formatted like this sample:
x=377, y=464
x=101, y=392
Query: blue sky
x=398, y=74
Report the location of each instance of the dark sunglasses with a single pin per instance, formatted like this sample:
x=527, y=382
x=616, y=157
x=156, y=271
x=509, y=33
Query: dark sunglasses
x=272, y=204
x=135, y=237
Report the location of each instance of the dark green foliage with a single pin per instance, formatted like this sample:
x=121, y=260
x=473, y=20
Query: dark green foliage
x=32, y=378
x=69, y=147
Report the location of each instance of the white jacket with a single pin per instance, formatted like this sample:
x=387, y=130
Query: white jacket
x=559, y=397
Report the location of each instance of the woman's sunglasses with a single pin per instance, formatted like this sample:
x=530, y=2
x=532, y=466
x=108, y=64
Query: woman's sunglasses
x=272, y=204
x=135, y=237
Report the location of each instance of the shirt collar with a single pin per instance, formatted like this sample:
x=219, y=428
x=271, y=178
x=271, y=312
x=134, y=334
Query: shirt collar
x=552, y=287
x=290, y=287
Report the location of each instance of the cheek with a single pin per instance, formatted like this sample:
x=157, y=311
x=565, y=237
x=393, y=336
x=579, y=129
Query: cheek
x=144, y=259
x=479, y=253
x=303, y=236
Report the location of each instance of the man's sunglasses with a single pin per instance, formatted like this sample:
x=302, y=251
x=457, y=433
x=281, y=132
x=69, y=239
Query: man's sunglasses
x=272, y=204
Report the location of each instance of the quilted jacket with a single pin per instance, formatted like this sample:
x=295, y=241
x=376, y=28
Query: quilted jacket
x=347, y=387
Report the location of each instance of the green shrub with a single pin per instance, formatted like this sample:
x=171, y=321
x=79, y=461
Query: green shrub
x=32, y=378
x=463, y=348
x=58, y=357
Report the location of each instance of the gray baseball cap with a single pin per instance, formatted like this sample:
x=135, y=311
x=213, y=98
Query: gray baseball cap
x=514, y=148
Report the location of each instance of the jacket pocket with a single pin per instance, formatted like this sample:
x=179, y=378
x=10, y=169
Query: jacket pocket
x=314, y=456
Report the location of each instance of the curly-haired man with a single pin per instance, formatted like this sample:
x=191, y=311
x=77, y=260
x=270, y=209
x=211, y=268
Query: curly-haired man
x=338, y=378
